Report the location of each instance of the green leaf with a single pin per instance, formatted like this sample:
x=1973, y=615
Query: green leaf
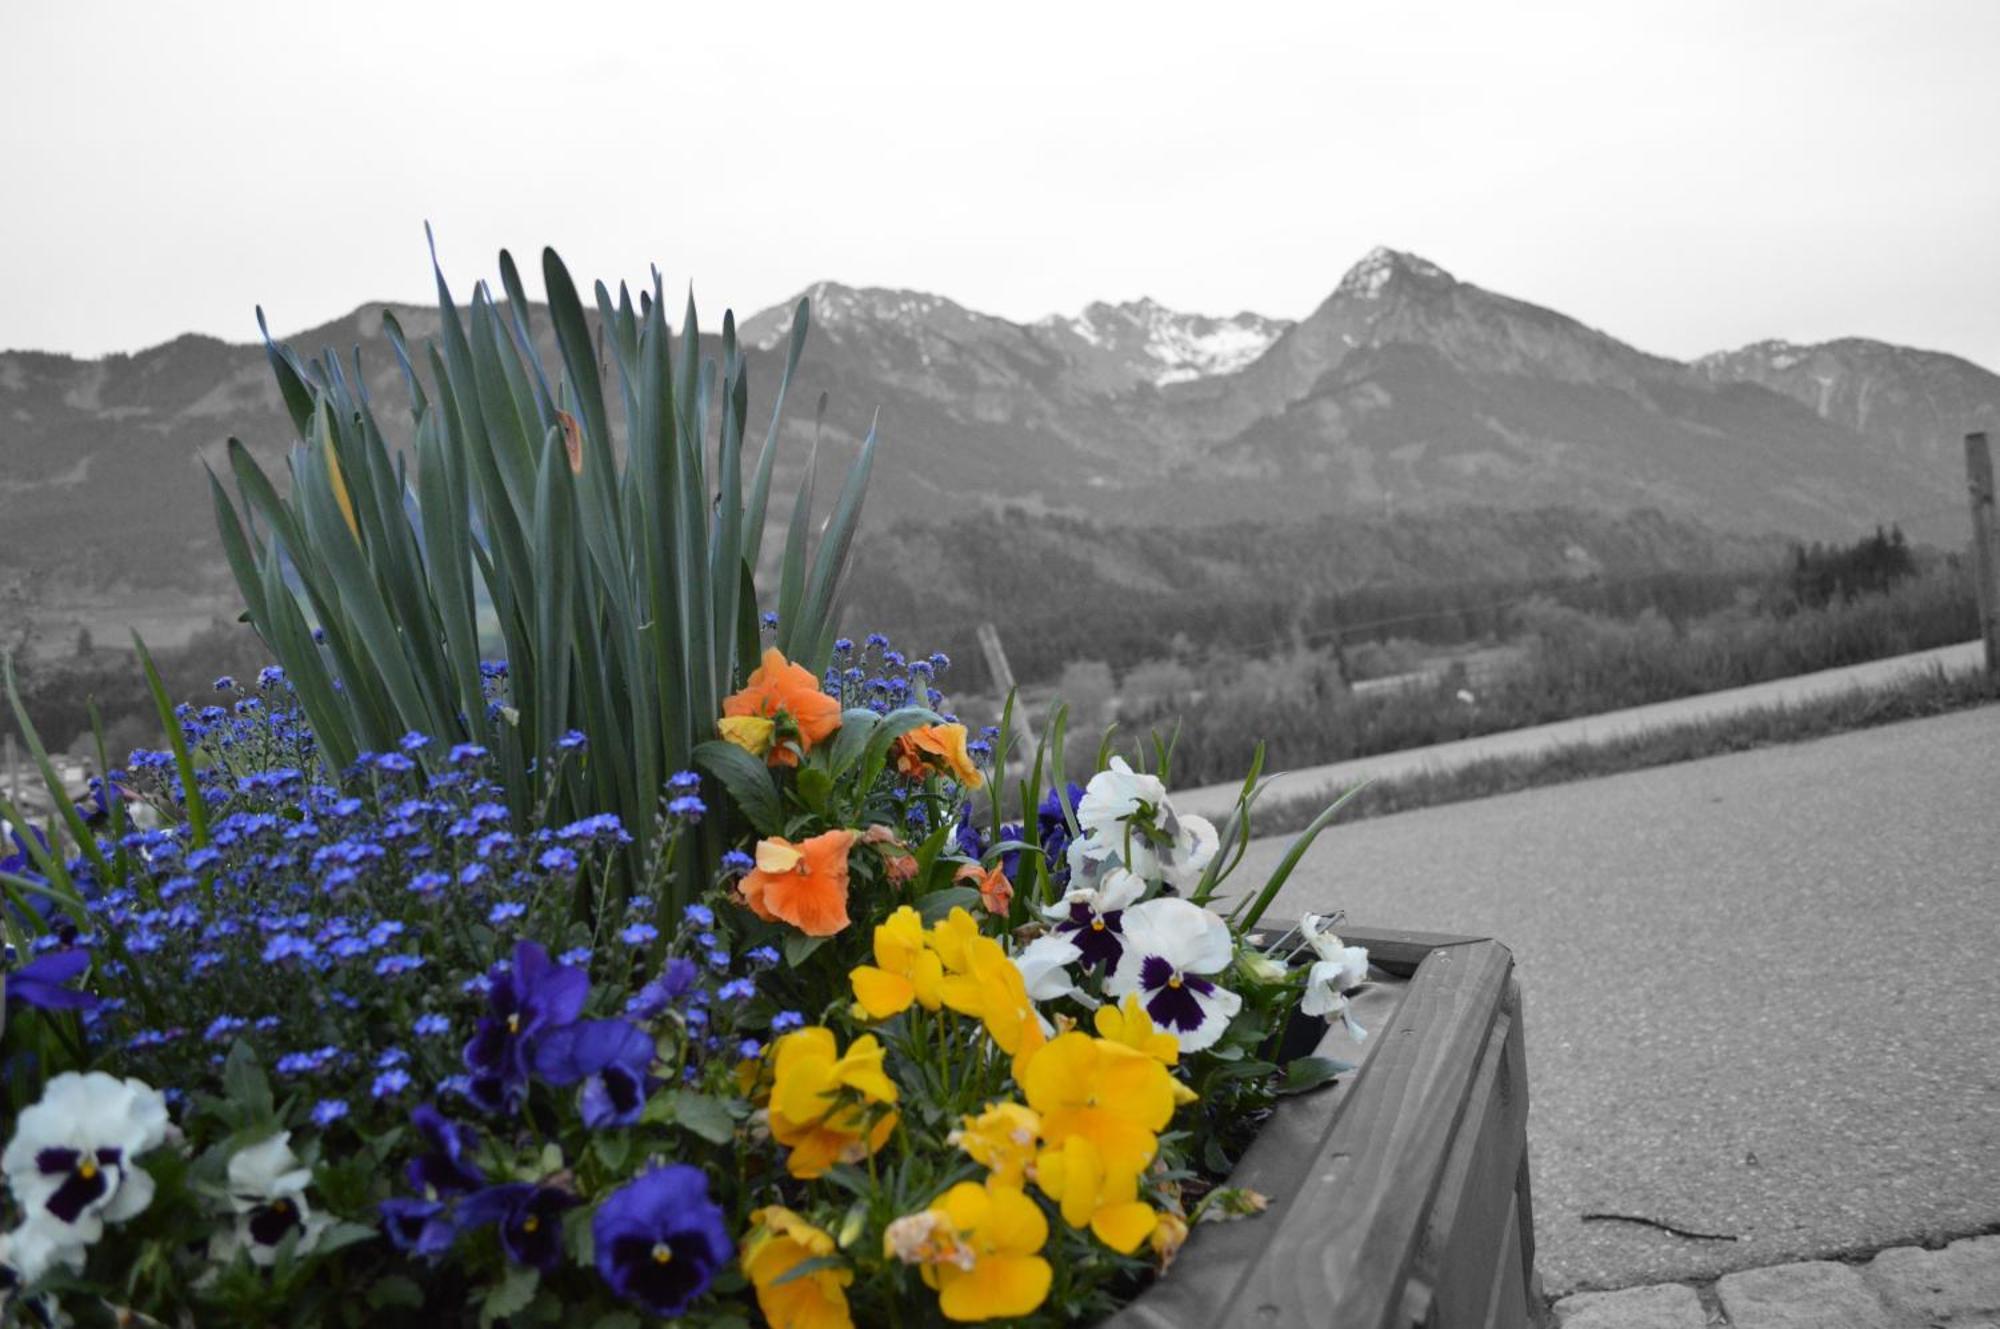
x=1310, y=1073
x=616, y=1320
x=857, y=726
x=705, y=1115
x=163, y=706
x=932, y=908
x=1290, y=861
x=812, y=1266
x=613, y=1149
x=814, y=786
x=394, y=1290
x=342, y=1235
x=799, y=947
x=892, y=727
x=243, y=1080
x=748, y=781
x=511, y=1296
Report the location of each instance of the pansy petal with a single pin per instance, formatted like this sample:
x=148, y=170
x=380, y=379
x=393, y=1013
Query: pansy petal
x=881, y=993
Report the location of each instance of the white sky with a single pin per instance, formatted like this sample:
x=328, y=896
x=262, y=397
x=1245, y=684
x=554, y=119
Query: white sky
x=1686, y=175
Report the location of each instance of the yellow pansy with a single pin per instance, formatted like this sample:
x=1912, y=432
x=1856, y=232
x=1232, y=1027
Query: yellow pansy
x=752, y=733
x=991, y=989
x=1106, y=1201
x=821, y=1100
x=1129, y=1024
x=779, y=1241
x=1114, y=1096
x=905, y=970
x=993, y=1270
x=1001, y=1139
x=1169, y=1235
x=950, y=936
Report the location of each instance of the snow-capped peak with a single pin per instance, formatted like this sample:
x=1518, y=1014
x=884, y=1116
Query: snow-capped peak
x=1366, y=279
x=1773, y=353
x=1173, y=347
x=835, y=306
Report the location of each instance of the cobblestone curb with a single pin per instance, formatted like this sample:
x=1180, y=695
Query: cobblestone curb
x=1904, y=1287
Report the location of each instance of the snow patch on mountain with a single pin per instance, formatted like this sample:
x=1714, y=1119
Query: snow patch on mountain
x=1173, y=347
x=1367, y=279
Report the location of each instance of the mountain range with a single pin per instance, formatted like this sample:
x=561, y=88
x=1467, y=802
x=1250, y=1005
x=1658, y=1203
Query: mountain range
x=1406, y=390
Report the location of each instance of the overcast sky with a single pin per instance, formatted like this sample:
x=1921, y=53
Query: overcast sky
x=1688, y=176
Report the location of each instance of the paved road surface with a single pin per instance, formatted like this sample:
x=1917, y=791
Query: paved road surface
x=1215, y=801
x=1762, y=991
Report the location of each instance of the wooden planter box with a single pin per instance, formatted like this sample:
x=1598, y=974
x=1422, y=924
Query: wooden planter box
x=1399, y=1195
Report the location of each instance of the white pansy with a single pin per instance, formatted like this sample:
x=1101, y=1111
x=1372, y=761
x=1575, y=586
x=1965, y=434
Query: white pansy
x=36, y=1247
x=1170, y=944
x=267, y=1188
x=1261, y=969
x=1044, y=965
x=1339, y=969
x=1088, y=915
x=73, y=1159
x=1126, y=814
x=1115, y=798
x=1192, y=842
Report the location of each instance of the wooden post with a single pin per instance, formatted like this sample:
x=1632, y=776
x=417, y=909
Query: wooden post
x=1003, y=678
x=1985, y=546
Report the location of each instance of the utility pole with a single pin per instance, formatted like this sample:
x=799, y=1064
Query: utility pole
x=1985, y=545
x=1003, y=678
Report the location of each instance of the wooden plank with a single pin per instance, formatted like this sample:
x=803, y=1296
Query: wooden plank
x=1339, y=1250
x=1509, y=1308
x=1985, y=544
x=1392, y=950
x=1198, y=1290
x=1524, y=1194
x=1464, y=1238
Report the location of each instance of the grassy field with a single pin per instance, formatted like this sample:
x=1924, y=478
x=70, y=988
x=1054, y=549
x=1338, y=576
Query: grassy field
x=1573, y=663
x=1934, y=693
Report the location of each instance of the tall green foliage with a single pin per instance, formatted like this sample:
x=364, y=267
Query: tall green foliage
x=616, y=553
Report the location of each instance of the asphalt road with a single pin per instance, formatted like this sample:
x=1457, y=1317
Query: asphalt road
x=1215, y=801
x=1761, y=991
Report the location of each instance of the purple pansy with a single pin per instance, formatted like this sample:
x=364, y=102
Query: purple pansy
x=530, y=1219
x=672, y=984
x=660, y=1240
x=41, y=982
x=448, y=1168
x=611, y=1057
x=419, y=1227
x=532, y=997
x=1092, y=913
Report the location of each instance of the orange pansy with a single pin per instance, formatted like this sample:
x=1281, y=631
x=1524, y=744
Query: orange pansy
x=804, y=884
x=937, y=747
x=995, y=891
x=790, y=697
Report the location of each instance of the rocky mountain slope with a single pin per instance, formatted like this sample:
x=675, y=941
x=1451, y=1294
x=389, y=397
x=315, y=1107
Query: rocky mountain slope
x=1919, y=404
x=1405, y=390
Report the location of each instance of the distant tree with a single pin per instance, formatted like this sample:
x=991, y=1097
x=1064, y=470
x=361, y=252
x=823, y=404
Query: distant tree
x=1821, y=573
